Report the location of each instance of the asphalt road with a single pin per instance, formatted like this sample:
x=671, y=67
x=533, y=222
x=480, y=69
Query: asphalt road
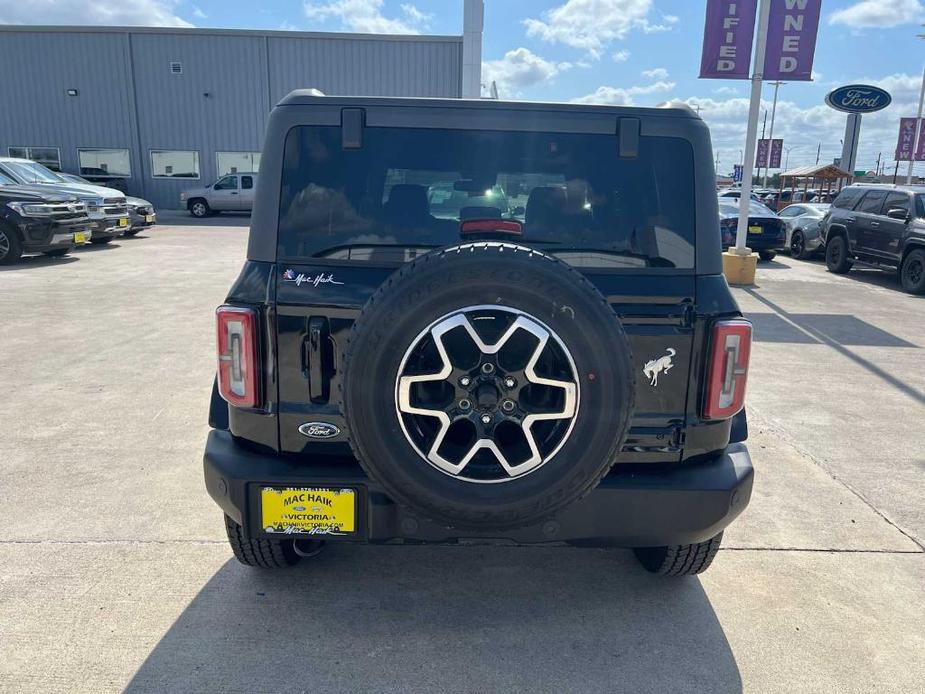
x=114, y=572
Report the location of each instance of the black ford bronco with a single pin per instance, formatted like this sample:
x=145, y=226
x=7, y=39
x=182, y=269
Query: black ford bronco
x=479, y=320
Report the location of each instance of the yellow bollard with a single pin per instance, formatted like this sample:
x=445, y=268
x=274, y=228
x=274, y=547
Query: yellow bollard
x=740, y=269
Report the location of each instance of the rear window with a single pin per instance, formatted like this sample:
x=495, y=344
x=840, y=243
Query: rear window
x=408, y=190
x=847, y=198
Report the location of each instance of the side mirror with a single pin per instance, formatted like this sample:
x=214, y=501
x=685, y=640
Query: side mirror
x=898, y=213
x=520, y=211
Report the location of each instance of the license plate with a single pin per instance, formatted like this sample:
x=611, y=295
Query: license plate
x=755, y=230
x=80, y=237
x=308, y=510
x=123, y=222
x=149, y=218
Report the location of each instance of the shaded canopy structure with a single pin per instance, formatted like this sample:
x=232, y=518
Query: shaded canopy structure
x=827, y=179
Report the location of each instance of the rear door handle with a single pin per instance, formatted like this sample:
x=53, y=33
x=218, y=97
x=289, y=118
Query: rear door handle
x=875, y=224
x=849, y=219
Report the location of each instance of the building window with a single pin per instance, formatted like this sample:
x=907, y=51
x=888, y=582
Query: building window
x=236, y=162
x=104, y=163
x=46, y=156
x=168, y=163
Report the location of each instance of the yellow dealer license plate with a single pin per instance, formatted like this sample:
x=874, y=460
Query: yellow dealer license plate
x=755, y=230
x=308, y=510
x=80, y=237
x=123, y=222
x=149, y=218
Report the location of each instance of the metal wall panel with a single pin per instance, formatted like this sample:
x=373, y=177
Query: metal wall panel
x=40, y=67
x=129, y=98
x=380, y=67
x=218, y=102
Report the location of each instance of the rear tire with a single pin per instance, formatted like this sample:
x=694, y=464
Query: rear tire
x=264, y=554
x=798, y=246
x=10, y=247
x=199, y=208
x=912, y=274
x=836, y=255
x=767, y=255
x=679, y=560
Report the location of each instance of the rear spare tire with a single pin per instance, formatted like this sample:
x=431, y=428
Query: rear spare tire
x=487, y=386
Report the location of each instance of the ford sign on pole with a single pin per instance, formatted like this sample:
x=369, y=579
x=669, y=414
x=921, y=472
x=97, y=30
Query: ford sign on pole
x=855, y=99
x=858, y=98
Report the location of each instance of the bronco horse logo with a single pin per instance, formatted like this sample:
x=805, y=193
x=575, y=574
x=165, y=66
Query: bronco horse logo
x=654, y=367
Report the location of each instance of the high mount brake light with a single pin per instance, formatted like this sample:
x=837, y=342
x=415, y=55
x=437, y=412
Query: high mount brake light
x=497, y=226
x=730, y=348
x=238, y=377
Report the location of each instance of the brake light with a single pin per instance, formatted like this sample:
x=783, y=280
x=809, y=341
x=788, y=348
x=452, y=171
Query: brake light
x=237, y=355
x=728, y=368
x=499, y=226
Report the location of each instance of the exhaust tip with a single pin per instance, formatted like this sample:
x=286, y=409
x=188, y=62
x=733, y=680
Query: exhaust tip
x=308, y=548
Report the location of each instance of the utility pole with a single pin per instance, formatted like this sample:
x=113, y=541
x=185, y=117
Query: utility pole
x=818, y=150
x=764, y=124
x=777, y=86
x=877, y=168
x=787, y=158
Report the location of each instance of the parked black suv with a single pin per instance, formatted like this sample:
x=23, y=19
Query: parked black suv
x=567, y=366
x=879, y=225
x=37, y=220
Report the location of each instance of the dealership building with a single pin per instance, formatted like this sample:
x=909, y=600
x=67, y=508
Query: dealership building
x=153, y=111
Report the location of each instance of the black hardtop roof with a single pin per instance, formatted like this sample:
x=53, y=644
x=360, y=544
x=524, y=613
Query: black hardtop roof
x=314, y=97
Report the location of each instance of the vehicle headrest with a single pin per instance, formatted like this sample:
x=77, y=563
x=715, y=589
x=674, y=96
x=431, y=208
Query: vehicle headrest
x=407, y=204
x=546, y=204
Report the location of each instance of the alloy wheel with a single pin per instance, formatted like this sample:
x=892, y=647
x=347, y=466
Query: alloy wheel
x=4, y=245
x=487, y=394
x=797, y=245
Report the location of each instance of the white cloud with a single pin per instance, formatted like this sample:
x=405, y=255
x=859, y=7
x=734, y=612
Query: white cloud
x=518, y=70
x=623, y=96
x=725, y=90
x=803, y=128
x=879, y=14
x=621, y=56
x=656, y=73
x=160, y=13
x=592, y=25
x=365, y=16
x=198, y=13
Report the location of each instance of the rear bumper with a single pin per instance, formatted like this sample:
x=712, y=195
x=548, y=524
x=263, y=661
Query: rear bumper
x=690, y=503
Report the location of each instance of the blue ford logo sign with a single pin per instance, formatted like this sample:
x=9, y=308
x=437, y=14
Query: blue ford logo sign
x=858, y=98
x=319, y=430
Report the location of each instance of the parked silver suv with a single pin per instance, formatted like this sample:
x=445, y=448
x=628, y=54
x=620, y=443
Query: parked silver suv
x=234, y=192
x=105, y=206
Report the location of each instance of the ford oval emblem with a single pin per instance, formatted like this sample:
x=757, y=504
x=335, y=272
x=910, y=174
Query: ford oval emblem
x=319, y=430
x=858, y=98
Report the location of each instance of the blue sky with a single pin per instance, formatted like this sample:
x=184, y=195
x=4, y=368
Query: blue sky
x=641, y=52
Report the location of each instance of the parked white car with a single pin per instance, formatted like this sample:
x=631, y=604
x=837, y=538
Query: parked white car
x=234, y=192
x=804, y=237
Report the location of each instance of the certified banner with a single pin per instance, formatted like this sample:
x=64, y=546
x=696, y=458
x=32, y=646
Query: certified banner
x=792, y=27
x=761, y=158
x=727, y=39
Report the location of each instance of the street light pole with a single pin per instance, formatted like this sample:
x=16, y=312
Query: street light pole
x=751, y=132
x=777, y=84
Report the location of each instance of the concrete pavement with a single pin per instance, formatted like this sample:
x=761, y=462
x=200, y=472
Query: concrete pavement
x=114, y=572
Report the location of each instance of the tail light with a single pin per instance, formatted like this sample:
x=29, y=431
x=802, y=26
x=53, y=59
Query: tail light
x=728, y=368
x=238, y=377
x=728, y=229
